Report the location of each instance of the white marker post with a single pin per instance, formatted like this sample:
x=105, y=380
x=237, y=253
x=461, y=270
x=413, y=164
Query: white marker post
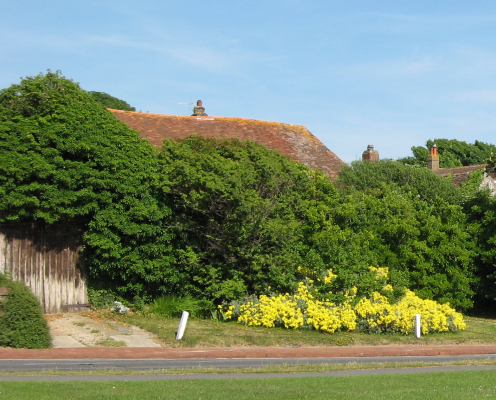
x=182, y=325
x=417, y=326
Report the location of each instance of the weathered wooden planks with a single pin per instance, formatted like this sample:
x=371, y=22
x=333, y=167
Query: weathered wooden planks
x=45, y=258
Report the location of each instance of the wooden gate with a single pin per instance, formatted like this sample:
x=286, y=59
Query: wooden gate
x=45, y=258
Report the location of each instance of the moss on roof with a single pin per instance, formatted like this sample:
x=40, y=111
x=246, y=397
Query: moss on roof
x=294, y=141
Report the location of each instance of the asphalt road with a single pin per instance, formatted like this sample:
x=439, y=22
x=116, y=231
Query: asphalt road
x=66, y=365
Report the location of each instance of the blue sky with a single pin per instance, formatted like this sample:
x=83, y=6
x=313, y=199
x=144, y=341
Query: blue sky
x=388, y=73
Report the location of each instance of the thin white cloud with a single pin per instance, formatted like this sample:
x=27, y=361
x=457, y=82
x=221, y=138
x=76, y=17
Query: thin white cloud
x=437, y=19
x=229, y=60
x=476, y=96
x=424, y=24
x=474, y=60
x=391, y=69
x=460, y=65
x=14, y=39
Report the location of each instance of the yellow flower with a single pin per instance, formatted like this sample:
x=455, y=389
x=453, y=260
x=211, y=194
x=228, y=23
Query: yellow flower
x=380, y=272
x=328, y=278
x=293, y=311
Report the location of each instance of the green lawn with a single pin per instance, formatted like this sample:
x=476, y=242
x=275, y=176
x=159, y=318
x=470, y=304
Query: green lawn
x=442, y=385
x=210, y=333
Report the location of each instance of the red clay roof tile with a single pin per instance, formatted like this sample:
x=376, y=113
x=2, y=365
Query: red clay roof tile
x=294, y=141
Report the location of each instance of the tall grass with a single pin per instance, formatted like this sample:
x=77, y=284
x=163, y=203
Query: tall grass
x=173, y=306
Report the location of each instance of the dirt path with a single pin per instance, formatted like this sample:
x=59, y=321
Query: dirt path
x=71, y=330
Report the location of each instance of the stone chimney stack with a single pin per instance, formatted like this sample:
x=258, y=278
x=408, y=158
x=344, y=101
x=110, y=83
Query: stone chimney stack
x=433, y=159
x=370, y=154
x=199, y=110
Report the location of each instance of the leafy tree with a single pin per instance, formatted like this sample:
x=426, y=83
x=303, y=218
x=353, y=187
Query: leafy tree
x=413, y=222
x=109, y=101
x=481, y=211
x=453, y=153
x=65, y=158
x=414, y=181
x=238, y=213
x=419, y=157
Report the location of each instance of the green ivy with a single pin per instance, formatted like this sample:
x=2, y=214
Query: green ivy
x=65, y=158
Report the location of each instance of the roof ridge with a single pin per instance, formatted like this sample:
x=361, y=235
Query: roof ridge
x=294, y=141
x=210, y=117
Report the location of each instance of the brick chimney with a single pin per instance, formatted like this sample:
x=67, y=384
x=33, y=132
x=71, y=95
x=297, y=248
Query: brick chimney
x=433, y=159
x=199, y=110
x=370, y=154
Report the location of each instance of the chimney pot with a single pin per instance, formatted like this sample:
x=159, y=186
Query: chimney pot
x=199, y=110
x=370, y=154
x=433, y=159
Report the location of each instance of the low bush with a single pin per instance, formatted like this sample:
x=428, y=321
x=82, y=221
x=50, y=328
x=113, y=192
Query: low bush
x=311, y=309
x=173, y=306
x=21, y=319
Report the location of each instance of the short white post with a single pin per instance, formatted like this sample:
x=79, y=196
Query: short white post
x=417, y=326
x=182, y=325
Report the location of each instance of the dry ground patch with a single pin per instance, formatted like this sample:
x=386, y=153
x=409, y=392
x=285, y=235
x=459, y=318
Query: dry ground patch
x=94, y=329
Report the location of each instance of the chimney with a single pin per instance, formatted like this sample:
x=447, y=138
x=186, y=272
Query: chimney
x=370, y=154
x=433, y=159
x=199, y=110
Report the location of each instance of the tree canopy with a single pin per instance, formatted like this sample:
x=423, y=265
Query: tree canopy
x=65, y=158
x=238, y=211
x=109, y=101
x=412, y=221
x=453, y=153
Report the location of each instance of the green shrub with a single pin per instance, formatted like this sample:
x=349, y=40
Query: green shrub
x=173, y=306
x=102, y=298
x=21, y=319
x=412, y=221
x=239, y=214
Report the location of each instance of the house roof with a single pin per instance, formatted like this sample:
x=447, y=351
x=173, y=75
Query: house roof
x=459, y=174
x=294, y=141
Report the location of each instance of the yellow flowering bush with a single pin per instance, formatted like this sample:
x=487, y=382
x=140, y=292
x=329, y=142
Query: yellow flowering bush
x=380, y=272
x=373, y=314
x=377, y=314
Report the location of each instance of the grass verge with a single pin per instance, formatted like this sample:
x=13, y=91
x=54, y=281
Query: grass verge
x=439, y=385
x=210, y=333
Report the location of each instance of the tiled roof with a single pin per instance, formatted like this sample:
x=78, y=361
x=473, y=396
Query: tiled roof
x=459, y=174
x=294, y=141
